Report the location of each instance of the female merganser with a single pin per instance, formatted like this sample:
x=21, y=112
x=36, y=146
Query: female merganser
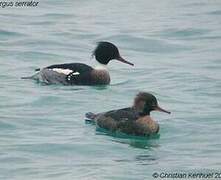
x=81, y=74
x=133, y=120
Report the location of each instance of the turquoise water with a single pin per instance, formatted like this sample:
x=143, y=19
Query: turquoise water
x=176, y=49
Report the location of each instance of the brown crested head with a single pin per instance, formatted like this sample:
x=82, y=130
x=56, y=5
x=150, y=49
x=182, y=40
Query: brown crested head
x=146, y=102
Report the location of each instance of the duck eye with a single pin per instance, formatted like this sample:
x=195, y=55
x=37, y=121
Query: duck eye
x=154, y=104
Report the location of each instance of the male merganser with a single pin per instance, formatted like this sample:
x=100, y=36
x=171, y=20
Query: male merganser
x=82, y=74
x=133, y=120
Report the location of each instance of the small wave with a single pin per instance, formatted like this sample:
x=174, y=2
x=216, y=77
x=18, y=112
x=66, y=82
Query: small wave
x=184, y=33
x=120, y=83
x=145, y=44
x=192, y=4
x=57, y=15
x=217, y=12
x=146, y=159
x=5, y=35
x=4, y=126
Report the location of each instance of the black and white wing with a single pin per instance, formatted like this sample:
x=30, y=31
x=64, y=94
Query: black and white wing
x=72, y=73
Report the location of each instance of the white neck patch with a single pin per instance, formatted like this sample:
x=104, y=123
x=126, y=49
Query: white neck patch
x=101, y=67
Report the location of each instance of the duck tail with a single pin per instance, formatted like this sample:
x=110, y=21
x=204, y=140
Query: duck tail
x=35, y=76
x=90, y=117
x=27, y=77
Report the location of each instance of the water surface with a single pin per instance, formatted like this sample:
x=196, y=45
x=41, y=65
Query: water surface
x=176, y=49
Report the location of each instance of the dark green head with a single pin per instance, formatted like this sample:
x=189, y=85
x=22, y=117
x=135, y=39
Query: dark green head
x=147, y=102
x=106, y=51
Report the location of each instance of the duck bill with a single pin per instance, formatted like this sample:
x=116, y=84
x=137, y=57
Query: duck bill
x=124, y=61
x=158, y=108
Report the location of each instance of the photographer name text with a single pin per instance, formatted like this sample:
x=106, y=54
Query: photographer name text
x=191, y=175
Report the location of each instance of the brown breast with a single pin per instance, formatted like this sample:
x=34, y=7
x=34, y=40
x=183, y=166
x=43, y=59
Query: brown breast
x=100, y=77
x=143, y=126
x=147, y=124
